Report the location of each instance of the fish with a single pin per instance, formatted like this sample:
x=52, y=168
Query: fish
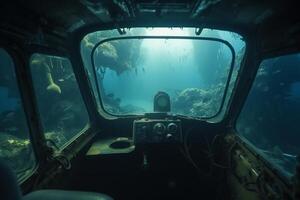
x=70, y=76
x=67, y=117
x=68, y=107
x=276, y=72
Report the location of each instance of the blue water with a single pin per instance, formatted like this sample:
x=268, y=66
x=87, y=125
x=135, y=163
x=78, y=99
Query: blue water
x=172, y=66
x=270, y=118
x=157, y=70
x=7, y=103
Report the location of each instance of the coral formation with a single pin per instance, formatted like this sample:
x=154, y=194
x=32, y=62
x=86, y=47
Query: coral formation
x=197, y=102
x=51, y=85
x=206, y=102
x=108, y=50
x=62, y=115
x=39, y=63
x=113, y=56
x=118, y=56
x=16, y=151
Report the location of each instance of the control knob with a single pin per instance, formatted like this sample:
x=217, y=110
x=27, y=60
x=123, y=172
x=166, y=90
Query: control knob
x=172, y=128
x=159, y=128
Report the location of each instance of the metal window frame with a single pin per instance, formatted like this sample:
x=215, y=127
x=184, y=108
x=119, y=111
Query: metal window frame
x=229, y=77
x=27, y=107
x=62, y=56
x=247, y=143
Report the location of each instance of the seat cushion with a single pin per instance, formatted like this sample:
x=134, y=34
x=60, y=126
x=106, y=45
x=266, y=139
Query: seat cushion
x=9, y=189
x=65, y=195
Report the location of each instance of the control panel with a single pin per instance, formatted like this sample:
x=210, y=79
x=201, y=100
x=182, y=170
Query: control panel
x=156, y=131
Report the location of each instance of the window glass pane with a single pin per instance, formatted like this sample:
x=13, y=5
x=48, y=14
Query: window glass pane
x=15, y=146
x=60, y=103
x=193, y=72
x=270, y=117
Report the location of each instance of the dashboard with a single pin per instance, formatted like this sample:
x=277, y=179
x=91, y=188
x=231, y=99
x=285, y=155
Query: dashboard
x=155, y=131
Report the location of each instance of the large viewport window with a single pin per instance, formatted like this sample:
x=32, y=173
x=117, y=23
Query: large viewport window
x=15, y=145
x=269, y=120
x=62, y=110
x=198, y=72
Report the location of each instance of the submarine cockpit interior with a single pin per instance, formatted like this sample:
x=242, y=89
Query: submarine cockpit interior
x=149, y=99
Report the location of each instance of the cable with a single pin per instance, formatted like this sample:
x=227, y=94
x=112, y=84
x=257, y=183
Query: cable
x=209, y=154
x=186, y=153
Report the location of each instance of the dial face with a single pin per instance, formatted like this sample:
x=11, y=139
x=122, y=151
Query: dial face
x=159, y=129
x=172, y=128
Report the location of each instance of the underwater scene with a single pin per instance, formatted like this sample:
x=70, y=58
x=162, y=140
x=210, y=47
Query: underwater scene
x=198, y=74
x=60, y=104
x=125, y=74
x=15, y=146
x=270, y=118
x=62, y=112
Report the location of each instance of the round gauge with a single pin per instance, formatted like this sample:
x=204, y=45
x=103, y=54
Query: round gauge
x=159, y=129
x=162, y=101
x=172, y=128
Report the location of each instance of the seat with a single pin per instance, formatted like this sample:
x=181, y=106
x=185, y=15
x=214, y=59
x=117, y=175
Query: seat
x=65, y=195
x=9, y=190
